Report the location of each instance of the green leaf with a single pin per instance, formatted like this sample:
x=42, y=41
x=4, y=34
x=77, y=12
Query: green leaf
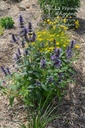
x=30, y=87
x=17, y=75
x=44, y=87
x=11, y=100
x=23, y=126
x=14, y=87
x=1, y=87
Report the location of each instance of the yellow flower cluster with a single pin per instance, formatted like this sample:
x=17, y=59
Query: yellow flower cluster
x=77, y=46
x=54, y=36
x=49, y=35
x=77, y=24
x=57, y=22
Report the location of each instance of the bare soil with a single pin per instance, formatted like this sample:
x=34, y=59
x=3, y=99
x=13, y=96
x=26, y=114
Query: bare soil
x=73, y=105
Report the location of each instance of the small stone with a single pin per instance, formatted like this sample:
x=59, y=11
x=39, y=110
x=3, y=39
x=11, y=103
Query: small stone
x=8, y=8
x=10, y=45
x=33, y=6
x=28, y=6
x=21, y=8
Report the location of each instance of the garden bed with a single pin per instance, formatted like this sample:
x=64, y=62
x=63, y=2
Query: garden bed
x=72, y=109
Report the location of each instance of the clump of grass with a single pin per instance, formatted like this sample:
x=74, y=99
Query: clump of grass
x=43, y=115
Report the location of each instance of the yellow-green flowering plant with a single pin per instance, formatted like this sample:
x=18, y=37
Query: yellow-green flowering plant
x=55, y=31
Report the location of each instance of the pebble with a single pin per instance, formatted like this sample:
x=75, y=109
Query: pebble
x=27, y=6
x=21, y=7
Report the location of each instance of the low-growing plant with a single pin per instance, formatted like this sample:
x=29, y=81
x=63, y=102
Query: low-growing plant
x=40, y=69
x=1, y=30
x=7, y=22
x=42, y=115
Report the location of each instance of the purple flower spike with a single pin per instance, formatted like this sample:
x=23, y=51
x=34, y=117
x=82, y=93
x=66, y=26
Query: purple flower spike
x=14, y=39
x=73, y=42
x=19, y=51
x=57, y=52
x=22, y=44
x=25, y=31
x=34, y=37
x=29, y=27
x=8, y=71
x=17, y=57
x=3, y=70
x=26, y=38
x=21, y=21
x=69, y=52
x=43, y=63
x=53, y=57
x=57, y=63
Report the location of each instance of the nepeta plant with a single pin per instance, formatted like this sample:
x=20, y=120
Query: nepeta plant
x=38, y=73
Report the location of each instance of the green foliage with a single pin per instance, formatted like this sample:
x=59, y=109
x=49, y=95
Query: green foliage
x=32, y=82
x=39, y=70
x=1, y=30
x=53, y=8
x=7, y=22
x=53, y=30
x=44, y=114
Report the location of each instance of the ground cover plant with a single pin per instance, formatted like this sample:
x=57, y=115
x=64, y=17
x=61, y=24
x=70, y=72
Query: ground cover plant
x=43, y=68
x=7, y=22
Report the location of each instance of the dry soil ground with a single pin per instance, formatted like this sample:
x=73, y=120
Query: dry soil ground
x=73, y=105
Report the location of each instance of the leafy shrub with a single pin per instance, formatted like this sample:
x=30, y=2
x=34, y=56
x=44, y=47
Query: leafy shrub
x=7, y=22
x=63, y=8
x=53, y=8
x=40, y=71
